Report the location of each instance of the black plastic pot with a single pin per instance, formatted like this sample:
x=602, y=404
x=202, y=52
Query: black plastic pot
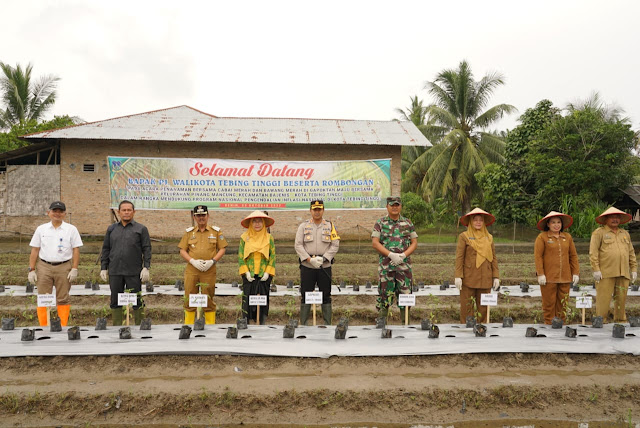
x=241, y=324
x=145, y=324
x=95, y=286
x=634, y=321
x=29, y=288
x=556, y=322
x=344, y=321
x=531, y=332
x=576, y=288
x=415, y=288
x=124, y=333
x=149, y=287
x=293, y=323
x=234, y=284
x=368, y=285
x=618, y=331
x=199, y=324
x=386, y=333
x=8, y=323
x=101, y=323
x=73, y=333
x=507, y=322
x=356, y=287
x=480, y=330
x=425, y=324
x=635, y=287
x=381, y=322
x=28, y=335
x=289, y=284
x=87, y=285
x=524, y=287
x=185, y=332
x=571, y=332
x=55, y=324
x=471, y=321
x=273, y=288
x=434, y=332
x=1, y=288
x=341, y=331
x=232, y=332
x=289, y=332
x=597, y=322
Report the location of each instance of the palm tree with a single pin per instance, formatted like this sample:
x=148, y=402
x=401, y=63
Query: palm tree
x=417, y=114
x=23, y=99
x=463, y=148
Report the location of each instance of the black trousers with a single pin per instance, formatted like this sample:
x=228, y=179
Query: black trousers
x=253, y=289
x=119, y=283
x=310, y=277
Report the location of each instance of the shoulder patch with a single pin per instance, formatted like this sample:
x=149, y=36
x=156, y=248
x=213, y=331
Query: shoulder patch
x=189, y=229
x=216, y=228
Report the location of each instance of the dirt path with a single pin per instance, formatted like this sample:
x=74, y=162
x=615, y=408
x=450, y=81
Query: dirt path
x=260, y=390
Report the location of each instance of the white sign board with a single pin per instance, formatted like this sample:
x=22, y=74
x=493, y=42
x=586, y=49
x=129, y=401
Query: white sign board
x=198, y=300
x=406, y=300
x=489, y=299
x=125, y=299
x=584, y=302
x=47, y=300
x=313, y=298
x=258, y=300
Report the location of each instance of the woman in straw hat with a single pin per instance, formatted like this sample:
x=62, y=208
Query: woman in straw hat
x=613, y=262
x=257, y=261
x=476, y=263
x=556, y=264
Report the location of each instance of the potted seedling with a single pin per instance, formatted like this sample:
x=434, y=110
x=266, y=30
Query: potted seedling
x=432, y=303
x=54, y=322
x=356, y=286
x=28, y=287
x=341, y=328
x=618, y=331
x=472, y=319
x=480, y=330
x=507, y=322
x=241, y=323
x=290, y=310
x=386, y=333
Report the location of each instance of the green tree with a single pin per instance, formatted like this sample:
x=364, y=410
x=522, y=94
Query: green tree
x=23, y=99
x=417, y=114
x=10, y=141
x=415, y=209
x=460, y=118
x=509, y=188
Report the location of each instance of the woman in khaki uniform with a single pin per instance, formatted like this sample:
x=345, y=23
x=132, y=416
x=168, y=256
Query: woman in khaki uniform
x=476, y=263
x=556, y=264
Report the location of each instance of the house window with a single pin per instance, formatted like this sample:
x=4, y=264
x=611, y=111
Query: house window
x=89, y=167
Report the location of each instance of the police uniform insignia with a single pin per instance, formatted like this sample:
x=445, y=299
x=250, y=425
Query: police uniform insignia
x=216, y=228
x=189, y=229
x=221, y=237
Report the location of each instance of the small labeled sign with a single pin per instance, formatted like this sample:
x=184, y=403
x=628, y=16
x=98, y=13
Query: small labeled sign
x=406, y=300
x=489, y=299
x=125, y=299
x=198, y=300
x=257, y=300
x=47, y=300
x=584, y=302
x=313, y=298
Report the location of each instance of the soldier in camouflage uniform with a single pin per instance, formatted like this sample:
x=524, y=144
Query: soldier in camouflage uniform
x=395, y=239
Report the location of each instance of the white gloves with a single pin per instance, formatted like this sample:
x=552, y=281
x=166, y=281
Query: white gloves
x=575, y=278
x=144, y=275
x=396, y=258
x=496, y=284
x=597, y=276
x=33, y=278
x=104, y=275
x=73, y=274
x=249, y=277
x=265, y=277
x=542, y=280
x=458, y=283
x=634, y=276
x=198, y=264
x=208, y=264
x=316, y=262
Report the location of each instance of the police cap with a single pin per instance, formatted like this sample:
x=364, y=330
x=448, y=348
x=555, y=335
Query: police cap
x=318, y=203
x=200, y=209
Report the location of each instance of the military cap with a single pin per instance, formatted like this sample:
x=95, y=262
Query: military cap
x=394, y=200
x=200, y=209
x=318, y=203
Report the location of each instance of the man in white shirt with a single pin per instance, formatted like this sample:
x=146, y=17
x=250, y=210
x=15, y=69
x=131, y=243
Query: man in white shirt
x=55, y=254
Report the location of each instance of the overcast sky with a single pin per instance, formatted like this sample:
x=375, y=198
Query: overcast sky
x=329, y=59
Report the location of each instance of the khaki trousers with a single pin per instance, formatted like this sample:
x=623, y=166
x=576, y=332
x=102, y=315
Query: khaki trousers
x=605, y=289
x=193, y=276
x=50, y=276
x=466, y=306
x=553, y=295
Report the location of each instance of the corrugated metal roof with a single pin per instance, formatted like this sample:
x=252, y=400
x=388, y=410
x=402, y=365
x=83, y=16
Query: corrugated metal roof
x=185, y=123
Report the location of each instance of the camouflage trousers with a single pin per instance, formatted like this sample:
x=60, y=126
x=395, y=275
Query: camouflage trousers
x=393, y=281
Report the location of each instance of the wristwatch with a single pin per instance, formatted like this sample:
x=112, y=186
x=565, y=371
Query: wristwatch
x=30, y=269
x=214, y=261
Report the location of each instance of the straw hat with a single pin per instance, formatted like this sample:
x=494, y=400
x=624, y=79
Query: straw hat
x=489, y=219
x=268, y=221
x=567, y=220
x=624, y=217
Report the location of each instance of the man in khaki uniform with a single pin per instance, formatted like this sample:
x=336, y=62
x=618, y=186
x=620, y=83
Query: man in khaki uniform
x=202, y=246
x=316, y=244
x=613, y=262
